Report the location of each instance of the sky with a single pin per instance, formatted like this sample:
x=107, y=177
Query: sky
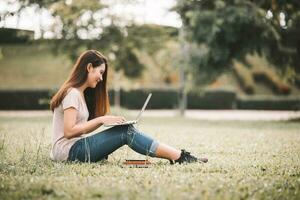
x=144, y=11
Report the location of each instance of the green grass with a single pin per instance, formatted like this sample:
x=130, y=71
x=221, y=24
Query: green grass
x=247, y=160
x=25, y=66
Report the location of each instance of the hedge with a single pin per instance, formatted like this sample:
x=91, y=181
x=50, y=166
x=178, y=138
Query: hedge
x=212, y=99
x=11, y=35
x=134, y=99
x=269, y=103
x=37, y=99
x=24, y=99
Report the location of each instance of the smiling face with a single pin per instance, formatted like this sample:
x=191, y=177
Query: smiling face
x=95, y=75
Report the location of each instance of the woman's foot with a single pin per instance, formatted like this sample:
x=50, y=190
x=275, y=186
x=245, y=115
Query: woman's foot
x=186, y=157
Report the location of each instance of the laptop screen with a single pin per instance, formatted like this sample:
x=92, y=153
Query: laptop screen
x=144, y=106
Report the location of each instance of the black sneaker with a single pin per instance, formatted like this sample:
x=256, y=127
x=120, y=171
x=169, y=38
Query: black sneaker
x=186, y=157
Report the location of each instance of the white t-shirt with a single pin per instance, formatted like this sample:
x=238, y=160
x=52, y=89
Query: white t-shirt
x=61, y=145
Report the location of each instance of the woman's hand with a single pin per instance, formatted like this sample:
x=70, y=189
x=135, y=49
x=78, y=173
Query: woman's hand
x=109, y=119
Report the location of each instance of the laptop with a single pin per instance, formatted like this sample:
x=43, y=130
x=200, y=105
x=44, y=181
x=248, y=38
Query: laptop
x=137, y=118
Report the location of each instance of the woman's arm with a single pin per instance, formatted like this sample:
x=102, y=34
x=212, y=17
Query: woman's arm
x=71, y=129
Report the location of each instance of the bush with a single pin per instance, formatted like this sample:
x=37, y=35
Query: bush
x=297, y=81
x=212, y=99
x=25, y=99
x=10, y=35
x=269, y=103
x=134, y=99
x=36, y=99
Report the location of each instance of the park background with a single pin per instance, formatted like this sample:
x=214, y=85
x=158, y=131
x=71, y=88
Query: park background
x=233, y=60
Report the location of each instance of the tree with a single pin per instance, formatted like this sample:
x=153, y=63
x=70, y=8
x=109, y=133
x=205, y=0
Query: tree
x=82, y=25
x=221, y=31
x=89, y=25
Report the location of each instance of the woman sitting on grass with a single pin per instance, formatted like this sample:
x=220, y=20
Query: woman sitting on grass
x=80, y=107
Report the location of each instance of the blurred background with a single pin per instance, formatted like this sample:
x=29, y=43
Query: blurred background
x=196, y=54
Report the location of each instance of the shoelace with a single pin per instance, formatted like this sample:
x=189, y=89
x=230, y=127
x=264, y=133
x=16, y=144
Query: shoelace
x=185, y=156
x=186, y=153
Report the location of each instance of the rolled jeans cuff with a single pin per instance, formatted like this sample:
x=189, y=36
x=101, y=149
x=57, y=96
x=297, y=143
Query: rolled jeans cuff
x=153, y=148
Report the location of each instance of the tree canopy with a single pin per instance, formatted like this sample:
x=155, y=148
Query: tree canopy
x=221, y=31
x=82, y=25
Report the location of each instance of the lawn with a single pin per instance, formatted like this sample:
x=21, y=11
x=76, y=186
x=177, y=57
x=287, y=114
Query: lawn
x=31, y=66
x=247, y=160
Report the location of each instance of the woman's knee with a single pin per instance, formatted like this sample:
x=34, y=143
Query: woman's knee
x=120, y=128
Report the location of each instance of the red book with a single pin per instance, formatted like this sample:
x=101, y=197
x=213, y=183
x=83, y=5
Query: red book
x=137, y=163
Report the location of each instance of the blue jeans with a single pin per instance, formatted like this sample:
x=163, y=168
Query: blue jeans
x=98, y=146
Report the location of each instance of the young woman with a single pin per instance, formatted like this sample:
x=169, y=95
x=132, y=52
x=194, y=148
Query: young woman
x=80, y=107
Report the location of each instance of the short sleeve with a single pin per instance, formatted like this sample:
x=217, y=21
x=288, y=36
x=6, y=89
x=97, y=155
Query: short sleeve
x=72, y=99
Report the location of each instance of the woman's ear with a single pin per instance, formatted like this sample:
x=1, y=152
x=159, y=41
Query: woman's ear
x=89, y=67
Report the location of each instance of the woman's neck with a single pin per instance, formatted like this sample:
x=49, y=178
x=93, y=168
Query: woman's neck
x=82, y=88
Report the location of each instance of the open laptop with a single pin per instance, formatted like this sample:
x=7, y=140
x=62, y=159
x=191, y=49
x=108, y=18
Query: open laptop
x=137, y=118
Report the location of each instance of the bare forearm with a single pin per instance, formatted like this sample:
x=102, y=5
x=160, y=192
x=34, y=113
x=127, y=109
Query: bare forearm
x=84, y=128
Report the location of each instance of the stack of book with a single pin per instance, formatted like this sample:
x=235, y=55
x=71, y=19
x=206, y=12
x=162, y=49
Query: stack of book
x=137, y=163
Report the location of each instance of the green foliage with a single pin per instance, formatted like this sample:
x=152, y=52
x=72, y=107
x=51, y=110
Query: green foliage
x=10, y=35
x=212, y=99
x=228, y=30
x=106, y=37
x=260, y=102
x=38, y=99
x=161, y=99
x=89, y=25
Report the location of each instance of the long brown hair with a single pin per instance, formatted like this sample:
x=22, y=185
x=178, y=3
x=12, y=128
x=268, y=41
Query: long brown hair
x=96, y=98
